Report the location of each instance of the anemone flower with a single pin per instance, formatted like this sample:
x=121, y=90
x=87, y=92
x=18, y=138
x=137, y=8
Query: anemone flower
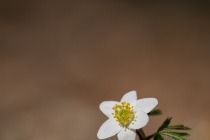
x=126, y=116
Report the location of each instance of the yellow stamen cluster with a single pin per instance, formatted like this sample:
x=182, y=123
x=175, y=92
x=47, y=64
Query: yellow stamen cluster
x=123, y=113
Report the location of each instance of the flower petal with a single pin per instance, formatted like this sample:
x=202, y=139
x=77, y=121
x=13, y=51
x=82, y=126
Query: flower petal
x=130, y=97
x=106, y=107
x=108, y=128
x=126, y=134
x=146, y=104
x=140, y=120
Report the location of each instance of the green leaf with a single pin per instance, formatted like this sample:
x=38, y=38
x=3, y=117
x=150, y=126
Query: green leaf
x=178, y=127
x=175, y=135
x=158, y=137
x=155, y=112
x=165, y=124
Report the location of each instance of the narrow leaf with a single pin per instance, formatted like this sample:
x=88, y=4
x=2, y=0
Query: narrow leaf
x=155, y=112
x=178, y=127
x=175, y=135
x=165, y=124
x=160, y=137
x=156, y=137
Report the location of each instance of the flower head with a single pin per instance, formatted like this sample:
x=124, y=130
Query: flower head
x=126, y=116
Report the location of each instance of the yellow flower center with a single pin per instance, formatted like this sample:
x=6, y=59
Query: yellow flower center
x=123, y=113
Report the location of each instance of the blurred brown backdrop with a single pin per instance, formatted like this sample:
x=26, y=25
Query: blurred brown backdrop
x=60, y=59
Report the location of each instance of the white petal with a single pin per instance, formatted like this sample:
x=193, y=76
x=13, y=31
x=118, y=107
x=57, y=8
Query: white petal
x=146, y=104
x=130, y=97
x=106, y=107
x=140, y=120
x=126, y=135
x=108, y=128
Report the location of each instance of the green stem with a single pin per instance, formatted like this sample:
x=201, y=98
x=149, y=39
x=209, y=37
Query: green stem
x=150, y=136
x=137, y=132
x=141, y=134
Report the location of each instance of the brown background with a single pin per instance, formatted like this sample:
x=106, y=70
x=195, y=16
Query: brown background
x=60, y=59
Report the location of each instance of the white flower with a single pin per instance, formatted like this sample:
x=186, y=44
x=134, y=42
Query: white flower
x=125, y=116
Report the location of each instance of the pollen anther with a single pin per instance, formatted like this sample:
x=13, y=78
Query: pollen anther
x=123, y=113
